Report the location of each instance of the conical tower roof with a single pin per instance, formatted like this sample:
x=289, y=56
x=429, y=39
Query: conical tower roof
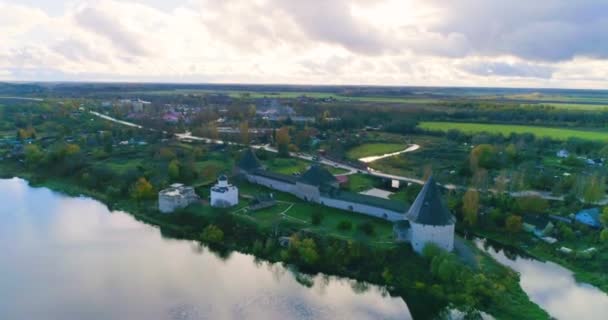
x=317, y=176
x=249, y=161
x=428, y=208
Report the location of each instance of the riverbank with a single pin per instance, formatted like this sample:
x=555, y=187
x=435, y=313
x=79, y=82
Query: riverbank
x=426, y=293
x=545, y=252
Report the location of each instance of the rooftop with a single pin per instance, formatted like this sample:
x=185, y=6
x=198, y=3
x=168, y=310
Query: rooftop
x=249, y=161
x=428, y=208
x=317, y=176
x=275, y=176
x=387, y=204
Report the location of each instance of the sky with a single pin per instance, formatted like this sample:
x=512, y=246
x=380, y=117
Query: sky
x=516, y=43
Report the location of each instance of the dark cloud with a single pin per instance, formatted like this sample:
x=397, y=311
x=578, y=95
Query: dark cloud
x=502, y=69
x=112, y=29
x=553, y=30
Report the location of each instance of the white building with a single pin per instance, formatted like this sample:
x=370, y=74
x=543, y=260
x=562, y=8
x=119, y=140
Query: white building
x=429, y=220
x=177, y=196
x=224, y=194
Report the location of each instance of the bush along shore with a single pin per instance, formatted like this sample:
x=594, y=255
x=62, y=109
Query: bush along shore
x=429, y=283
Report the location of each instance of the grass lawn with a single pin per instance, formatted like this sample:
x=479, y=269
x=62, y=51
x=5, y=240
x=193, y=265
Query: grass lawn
x=374, y=149
x=360, y=182
x=300, y=213
x=287, y=165
x=295, y=165
x=547, y=132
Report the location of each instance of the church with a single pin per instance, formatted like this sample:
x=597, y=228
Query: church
x=426, y=221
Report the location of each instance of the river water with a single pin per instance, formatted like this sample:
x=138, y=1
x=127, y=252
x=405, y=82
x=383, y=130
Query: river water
x=552, y=286
x=71, y=258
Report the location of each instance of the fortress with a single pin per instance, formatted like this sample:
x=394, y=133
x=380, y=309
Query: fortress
x=426, y=221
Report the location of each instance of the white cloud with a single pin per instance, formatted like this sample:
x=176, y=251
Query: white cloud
x=394, y=42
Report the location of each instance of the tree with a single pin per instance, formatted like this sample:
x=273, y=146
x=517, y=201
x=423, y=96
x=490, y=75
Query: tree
x=283, y=139
x=470, y=206
x=482, y=156
x=594, y=189
x=367, y=228
x=142, y=189
x=604, y=235
x=212, y=234
x=173, y=169
x=33, y=155
x=345, y=225
x=244, y=129
x=604, y=216
x=308, y=251
x=513, y=224
x=316, y=218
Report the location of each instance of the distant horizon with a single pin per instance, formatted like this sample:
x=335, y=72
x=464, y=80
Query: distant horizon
x=295, y=85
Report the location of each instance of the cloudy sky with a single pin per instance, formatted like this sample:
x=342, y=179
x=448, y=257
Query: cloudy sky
x=515, y=43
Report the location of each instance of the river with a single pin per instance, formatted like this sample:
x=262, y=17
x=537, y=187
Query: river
x=552, y=286
x=71, y=258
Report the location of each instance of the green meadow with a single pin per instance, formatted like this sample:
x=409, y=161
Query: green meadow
x=505, y=129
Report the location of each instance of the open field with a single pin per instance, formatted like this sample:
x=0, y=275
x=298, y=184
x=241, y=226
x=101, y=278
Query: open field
x=292, y=95
x=546, y=132
x=374, y=149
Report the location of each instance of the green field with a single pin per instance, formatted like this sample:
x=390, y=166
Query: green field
x=374, y=149
x=504, y=129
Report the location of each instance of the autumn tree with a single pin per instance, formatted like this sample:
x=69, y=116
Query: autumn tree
x=142, y=189
x=244, y=130
x=482, y=156
x=33, y=155
x=513, y=223
x=470, y=206
x=283, y=139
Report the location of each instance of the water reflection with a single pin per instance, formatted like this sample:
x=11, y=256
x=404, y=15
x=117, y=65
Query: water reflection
x=70, y=258
x=552, y=286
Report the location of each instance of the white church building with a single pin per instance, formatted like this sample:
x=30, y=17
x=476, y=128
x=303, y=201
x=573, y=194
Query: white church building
x=223, y=194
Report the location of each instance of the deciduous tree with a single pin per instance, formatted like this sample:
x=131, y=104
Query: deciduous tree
x=283, y=140
x=513, y=224
x=142, y=189
x=470, y=206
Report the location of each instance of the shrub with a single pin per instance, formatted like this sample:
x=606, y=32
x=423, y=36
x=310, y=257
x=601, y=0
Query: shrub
x=316, y=218
x=212, y=234
x=345, y=225
x=367, y=228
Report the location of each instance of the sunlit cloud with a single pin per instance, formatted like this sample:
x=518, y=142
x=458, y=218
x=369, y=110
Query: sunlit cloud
x=385, y=42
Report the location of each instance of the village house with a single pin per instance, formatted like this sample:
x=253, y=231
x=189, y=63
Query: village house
x=175, y=197
x=589, y=217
